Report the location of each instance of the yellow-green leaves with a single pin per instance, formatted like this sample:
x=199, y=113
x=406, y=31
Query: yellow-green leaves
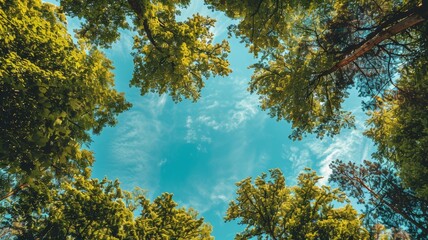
x=176, y=57
x=52, y=92
x=86, y=208
x=270, y=209
x=399, y=126
x=170, y=56
x=102, y=19
x=162, y=219
x=312, y=52
x=90, y=209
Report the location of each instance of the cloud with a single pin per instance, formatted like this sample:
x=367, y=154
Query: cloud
x=210, y=122
x=227, y=116
x=137, y=144
x=346, y=147
x=350, y=145
x=194, y=135
x=212, y=188
x=216, y=123
x=220, y=28
x=208, y=196
x=191, y=136
x=223, y=191
x=299, y=158
x=244, y=110
x=123, y=47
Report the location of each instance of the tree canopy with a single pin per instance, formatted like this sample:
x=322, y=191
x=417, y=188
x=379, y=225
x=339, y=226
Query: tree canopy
x=55, y=92
x=386, y=199
x=87, y=208
x=399, y=126
x=170, y=56
x=312, y=53
x=52, y=93
x=271, y=210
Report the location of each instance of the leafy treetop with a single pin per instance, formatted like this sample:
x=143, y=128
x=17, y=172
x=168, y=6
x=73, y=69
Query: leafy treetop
x=52, y=93
x=87, y=208
x=170, y=56
x=312, y=52
x=271, y=210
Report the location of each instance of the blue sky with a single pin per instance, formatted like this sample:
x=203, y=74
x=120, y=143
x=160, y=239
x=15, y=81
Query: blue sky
x=198, y=151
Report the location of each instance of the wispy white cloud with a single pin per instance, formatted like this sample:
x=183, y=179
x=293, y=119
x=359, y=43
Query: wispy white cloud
x=217, y=190
x=350, y=145
x=220, y=28
x=227, y=116
x=223, y=191
x=137, y=144
x=208, y=196
x=244, y=110
x=299, y=159
x=209, y=122
x=123, y=47
x=191, y=136
x=345, y=147
x=214, y=104
x=217, y=123
x=195, y=135
x=206, y=139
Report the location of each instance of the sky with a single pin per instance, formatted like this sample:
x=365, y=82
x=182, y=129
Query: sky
x=198, y=151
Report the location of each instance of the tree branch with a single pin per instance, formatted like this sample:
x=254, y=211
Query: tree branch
x=138, y=10
x=411, y=19
x=14, y=191
x=388, y=204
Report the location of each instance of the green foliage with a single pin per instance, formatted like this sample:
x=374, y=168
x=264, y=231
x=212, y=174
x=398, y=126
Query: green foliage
x=163, y=220
x=52, y=92
x=399, y=127
x=271, y=210
x=170, y=56
x=387, y=201
x=82, y=209
x=303, y=75
x=102, y=23
x=92, y=209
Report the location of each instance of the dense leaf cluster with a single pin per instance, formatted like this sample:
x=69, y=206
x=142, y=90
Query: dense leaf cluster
x=52, y=93
x=91, y=209
x=271, y=210
x=313, y=52
x=170, y=56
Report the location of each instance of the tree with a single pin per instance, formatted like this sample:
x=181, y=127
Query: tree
x=81, y=209
x=271, y=210
x=399, y=127
x=163, y=220
x=92, y=209
x=170, y=56
x=311, y=53
x=52, y=93
x=387, y=200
